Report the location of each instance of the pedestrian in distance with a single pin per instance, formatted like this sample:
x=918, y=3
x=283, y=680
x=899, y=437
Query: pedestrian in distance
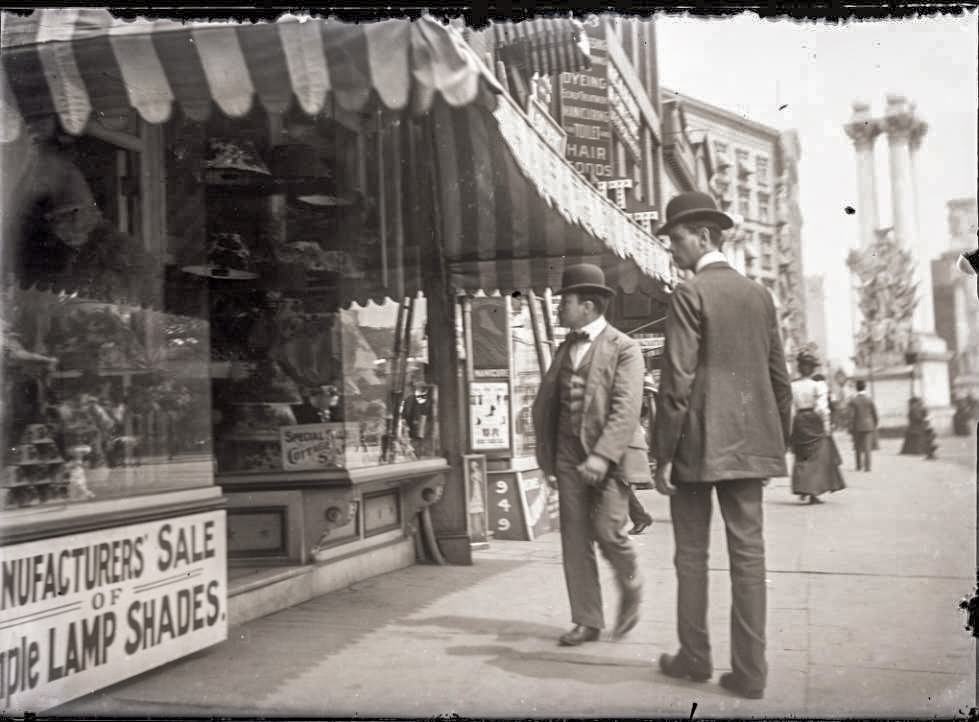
x=640, y=518
x=722, y=427
x=586, y=417
x=863, y=424
x=816, y=469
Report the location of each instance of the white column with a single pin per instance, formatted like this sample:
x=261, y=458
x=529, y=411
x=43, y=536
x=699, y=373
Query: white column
x=899, y=122
x=863, y=131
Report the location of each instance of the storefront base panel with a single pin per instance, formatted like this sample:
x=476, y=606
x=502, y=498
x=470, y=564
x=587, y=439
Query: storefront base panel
x=259, y=591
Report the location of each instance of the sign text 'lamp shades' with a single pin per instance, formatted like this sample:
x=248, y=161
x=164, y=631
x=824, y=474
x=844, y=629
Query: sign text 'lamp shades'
x=300, y=172
x=225, y=257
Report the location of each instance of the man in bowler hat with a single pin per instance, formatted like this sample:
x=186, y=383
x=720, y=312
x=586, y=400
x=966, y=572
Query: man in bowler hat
x=722, y=426
x=586, y=417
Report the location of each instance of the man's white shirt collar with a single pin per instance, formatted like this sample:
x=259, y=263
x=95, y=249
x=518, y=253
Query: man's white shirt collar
x=594, y=328
x=708, y=258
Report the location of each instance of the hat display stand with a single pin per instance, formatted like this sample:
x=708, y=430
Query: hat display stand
x=225, y=257
x=33, y=469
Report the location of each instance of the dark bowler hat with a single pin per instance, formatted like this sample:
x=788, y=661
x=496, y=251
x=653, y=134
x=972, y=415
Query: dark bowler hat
x=693, y=206
x=584, y=278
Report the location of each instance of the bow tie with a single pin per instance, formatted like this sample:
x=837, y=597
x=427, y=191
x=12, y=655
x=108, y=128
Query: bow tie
x=578, y=337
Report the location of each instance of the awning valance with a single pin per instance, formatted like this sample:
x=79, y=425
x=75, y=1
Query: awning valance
x=514, y=211
x=80, y=62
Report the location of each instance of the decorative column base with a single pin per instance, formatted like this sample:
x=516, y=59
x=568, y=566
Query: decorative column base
x=932, y=383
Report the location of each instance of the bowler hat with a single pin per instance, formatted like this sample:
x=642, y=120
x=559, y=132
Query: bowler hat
x=693, y=206
x=584, y=278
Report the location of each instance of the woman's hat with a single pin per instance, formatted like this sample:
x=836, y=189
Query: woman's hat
x=807, y=356
x=693, y=206
x=584, y=278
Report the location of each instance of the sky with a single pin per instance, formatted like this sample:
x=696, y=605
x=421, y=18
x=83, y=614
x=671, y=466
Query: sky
x=752, y=66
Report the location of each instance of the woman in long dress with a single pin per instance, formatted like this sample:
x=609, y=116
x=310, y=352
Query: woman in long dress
x=817, y=460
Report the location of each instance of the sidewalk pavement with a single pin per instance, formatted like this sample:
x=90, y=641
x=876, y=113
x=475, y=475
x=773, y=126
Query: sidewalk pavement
x=863, y=621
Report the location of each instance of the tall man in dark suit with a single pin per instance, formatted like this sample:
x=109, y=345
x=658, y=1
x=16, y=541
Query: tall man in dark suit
x=722, y=425
x=586, y=416
x=863, y=424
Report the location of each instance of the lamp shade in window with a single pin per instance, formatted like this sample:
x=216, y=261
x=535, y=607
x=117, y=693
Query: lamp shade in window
x=304, y=175
x=234, y=162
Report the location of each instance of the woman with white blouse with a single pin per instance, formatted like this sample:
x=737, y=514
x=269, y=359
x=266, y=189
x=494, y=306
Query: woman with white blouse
x=817, y=461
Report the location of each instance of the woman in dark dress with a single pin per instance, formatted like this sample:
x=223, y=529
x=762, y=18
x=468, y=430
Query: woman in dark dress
x=817, y=461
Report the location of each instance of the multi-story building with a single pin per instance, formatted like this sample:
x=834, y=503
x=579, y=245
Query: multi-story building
x=752, y=170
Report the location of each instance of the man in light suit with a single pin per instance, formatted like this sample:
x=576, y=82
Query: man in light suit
x=863, y=424
x=723, y=419
x=586, y=417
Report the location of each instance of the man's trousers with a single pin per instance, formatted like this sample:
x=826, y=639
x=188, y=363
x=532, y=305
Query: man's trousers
x=741, y=507
x=862, y=444
x=590, y=515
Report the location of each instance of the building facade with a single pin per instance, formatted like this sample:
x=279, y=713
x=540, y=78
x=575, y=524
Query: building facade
x=954, y=294
x=753, y=171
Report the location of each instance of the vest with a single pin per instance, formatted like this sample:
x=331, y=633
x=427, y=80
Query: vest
x=571, y=386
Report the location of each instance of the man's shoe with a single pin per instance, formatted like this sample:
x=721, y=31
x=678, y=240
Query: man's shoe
x=732, y=683
x=628, y=610
x=640, y=526
x=579, y=635
x=679, y=667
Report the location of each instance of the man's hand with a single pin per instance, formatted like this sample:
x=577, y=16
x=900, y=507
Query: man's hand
x=663, y=483
x=593, y=469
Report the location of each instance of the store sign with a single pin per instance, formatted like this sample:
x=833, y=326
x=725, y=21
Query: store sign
x=624, y=113
x=585, y=110
x=550, y=130
x=489, y=415
x=84, y=611
x=334, y=445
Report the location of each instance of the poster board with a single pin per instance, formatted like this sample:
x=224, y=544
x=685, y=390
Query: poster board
x=88, y=610
x=488, y=369
x=489, y=415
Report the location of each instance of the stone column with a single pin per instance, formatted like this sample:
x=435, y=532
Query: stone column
x=918, y=132
x=900, y=123
x=863, y=131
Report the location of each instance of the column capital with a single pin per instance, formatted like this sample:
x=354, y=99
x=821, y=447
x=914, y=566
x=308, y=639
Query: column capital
x=918, y=132
x=899, y=119
x=863, y=133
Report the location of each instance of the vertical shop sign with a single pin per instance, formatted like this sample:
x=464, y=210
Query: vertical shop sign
x=84, y=611
x=585, y=109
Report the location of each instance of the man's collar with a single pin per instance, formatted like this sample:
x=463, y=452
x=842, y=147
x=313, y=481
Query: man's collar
x=594, y=328
x=709, y=258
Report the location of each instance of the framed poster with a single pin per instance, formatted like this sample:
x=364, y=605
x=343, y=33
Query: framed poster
x=474, y=473
x=489, y=415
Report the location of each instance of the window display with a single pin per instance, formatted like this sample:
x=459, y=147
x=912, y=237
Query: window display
x=527, y=376
x=105, y=391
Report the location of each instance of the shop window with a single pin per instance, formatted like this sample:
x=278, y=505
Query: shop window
x=526, y=375
x=313, y=365
x=105, y=389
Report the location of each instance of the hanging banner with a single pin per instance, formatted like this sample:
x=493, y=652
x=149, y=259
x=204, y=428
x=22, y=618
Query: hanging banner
x=84, y=611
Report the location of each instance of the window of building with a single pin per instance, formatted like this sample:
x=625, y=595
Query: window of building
x=764, y=208
x=761, y=170
x=744, y=202
x=720, y=148
x=767, y=251
x=742, y=156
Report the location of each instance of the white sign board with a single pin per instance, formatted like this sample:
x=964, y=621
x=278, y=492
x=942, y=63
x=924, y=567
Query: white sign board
x=84, y=611
x=489, y=415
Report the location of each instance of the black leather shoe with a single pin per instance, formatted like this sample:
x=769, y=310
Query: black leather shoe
x=732, y=683
x=678, y=666
x=628, y=611
x=579, y=635
x=640, y=526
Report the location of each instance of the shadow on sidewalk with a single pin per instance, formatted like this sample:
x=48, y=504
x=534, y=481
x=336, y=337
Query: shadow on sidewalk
x=260, y=656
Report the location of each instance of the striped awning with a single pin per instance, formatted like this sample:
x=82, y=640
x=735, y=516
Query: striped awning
x=78, y=62
x=546, y=46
